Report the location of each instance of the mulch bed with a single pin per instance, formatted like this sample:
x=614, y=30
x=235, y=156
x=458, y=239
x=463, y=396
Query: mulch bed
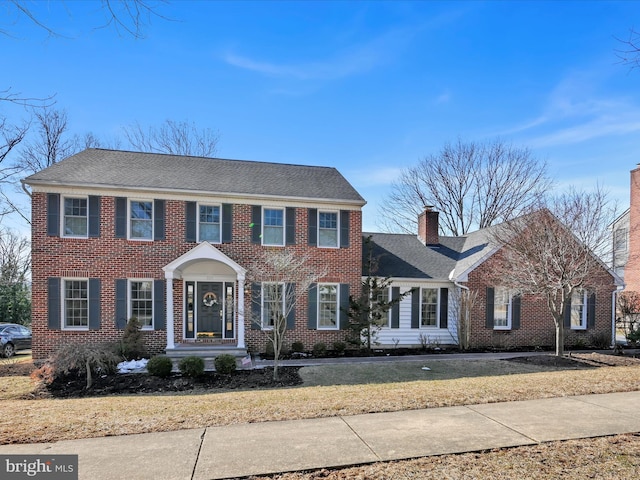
x=72, y=386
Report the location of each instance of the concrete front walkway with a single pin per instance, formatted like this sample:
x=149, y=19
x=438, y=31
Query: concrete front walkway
x=270, y=447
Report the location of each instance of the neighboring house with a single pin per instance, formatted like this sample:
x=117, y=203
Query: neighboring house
x=620, y=243
x=168, y=239
x=437, y=268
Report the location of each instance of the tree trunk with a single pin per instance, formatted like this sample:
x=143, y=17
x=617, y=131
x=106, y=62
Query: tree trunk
x=559, y=338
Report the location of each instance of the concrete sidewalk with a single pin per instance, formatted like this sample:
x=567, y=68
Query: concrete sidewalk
x=271, y=447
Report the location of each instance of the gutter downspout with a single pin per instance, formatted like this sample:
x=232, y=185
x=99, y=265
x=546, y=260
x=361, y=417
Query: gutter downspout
x=614, y=298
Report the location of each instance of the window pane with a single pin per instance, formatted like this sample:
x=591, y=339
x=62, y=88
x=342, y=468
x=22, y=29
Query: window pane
x=210, y=223
x=141, y=219
x=429, y=307
x=327, y=306
x=501, y=308
x=577, y=309
x=272, y=303
x=76, y=303
x=142, y=302
x=273, y=230
x=210, y=233
x=75, y=217
x=327, y=229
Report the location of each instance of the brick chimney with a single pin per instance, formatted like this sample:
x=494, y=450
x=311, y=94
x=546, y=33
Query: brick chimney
x=428, y=226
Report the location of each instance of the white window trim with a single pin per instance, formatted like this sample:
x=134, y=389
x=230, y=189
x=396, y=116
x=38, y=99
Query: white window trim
x=129, y=219
x=583, y=319
x=204, y=204
x=337, y=327
x=262, y=319
x=130, y=301
x=508, y=326
x=337, y=245
x=63, y=216
x=437, y=325
x=63, y=310
x=284, y=226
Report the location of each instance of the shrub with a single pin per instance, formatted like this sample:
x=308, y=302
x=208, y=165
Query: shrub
x=269, y=351
x=339, y=347
x=84, y=359
x=160, y=366
x=191, y=366
x=319, y=349
x=43, y=374
x=600, y=340
x=297, y=347
x=225, y=363
x=131, y=346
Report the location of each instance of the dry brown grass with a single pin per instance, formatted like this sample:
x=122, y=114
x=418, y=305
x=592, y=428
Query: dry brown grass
x=45, y=419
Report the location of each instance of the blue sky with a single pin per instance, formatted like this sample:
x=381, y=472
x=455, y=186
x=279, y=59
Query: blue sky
x=367, y=87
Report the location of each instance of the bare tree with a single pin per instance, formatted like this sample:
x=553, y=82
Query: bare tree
x=630, y=54
x=551, y=253
x=179, y=138
x=462, y=302
x=52, y=142
x=473, y=185
x=130, y=16
x=280, y=278
x=15, y=262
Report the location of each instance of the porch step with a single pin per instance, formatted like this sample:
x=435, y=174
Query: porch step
x=208, y=354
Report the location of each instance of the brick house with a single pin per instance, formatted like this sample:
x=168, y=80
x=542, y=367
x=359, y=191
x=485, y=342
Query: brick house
x=435, y=268
x=168, y=239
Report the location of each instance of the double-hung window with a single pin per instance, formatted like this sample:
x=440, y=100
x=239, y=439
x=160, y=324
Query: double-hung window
x=141, y=301
x=141, y=220
x=429, y=307
x=209, y=224
x=328, y=306
x=76, y=304
x=272, y=304
x=502, y=309
x=273, y=226
x=328, y=229
x=579, y=309
x=75, y=217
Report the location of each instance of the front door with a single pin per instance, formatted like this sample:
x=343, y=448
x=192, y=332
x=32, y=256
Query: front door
x=209, y=311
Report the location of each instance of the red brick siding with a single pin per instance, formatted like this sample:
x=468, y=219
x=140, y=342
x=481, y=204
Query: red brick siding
x=537, y=328
x=632, y=269
x=110, y=258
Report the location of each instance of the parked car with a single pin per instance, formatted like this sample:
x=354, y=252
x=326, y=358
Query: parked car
x=14, y=337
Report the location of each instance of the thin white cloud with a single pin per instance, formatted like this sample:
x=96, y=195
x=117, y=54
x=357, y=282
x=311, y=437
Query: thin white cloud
x=373, y=177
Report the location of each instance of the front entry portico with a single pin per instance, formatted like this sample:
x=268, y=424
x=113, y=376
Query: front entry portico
x=213, y=303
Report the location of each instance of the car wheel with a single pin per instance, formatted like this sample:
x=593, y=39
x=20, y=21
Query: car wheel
x=8, y=350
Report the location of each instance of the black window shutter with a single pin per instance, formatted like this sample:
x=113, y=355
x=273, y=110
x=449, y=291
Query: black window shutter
x=291, y=225
x=159, y=310
x=227, y=222
x=591, y=311
x=94, y=215
x=343, y=313
x=256, y=306
x=94, y=304
x=313, y=307
x=291, y=315
x=415, y=308
x=53, y=303
x=489, y=307
x=567, y=314
x=121, y=217
x=121, y=303
x=158, y=219
x=256, y=220
x=516, y=302
x=344, y=228
x=312, y=215
x=395, y=308
x=53, y=214
x=190, y=214
x=444, y=308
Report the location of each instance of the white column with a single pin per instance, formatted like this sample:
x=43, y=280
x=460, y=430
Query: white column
x=240, y=325
x=170, y=334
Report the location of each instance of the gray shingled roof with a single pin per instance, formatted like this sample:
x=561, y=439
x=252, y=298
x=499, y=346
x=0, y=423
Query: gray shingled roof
x=405, y=256
x=122, y=169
